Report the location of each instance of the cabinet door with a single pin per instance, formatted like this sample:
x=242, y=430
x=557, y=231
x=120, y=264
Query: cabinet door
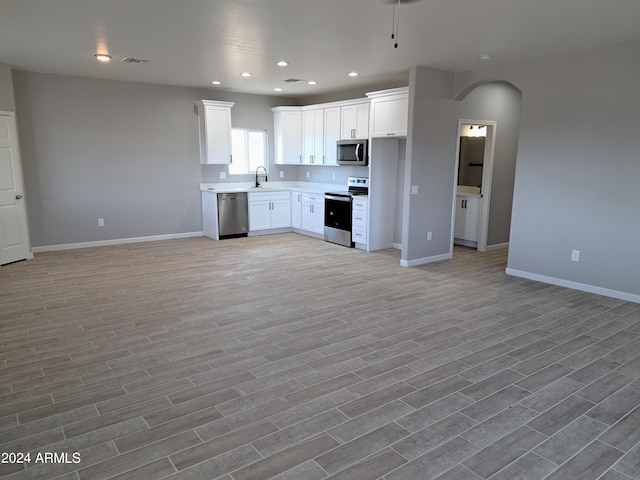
x=355, y=121
x=215, y=134
x=331, y=135
x=296, y=209
x=280, y=213
x=473, y=210
x=389, y=116
x=459, y=228
x=259, y=215
x=313, y=216
x=312, y=136
x=288, y=137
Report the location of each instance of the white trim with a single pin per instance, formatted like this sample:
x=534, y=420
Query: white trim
x=424, y=260
x=397, y=245
x=115, y=241
x=497, y=246
x=487, y=179
x=629, y=297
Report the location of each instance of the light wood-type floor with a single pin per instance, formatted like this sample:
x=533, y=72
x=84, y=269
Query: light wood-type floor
x=290, y=358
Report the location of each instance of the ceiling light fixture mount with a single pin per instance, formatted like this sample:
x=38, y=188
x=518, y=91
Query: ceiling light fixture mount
x=485, y=56
x=353, y=74
x=282, y=63
x=103, y=57
x=245, y=74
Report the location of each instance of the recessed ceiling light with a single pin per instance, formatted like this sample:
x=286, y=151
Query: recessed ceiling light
x=312, y=82
x=103, y=57
x=277, y=89
x=282, y=63
x=486, y=56
x=216, y=82
x=353, y=74
x=245, y=74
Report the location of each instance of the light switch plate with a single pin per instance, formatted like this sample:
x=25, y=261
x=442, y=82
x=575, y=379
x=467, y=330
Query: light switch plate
x=223, y=175
x=414, y=189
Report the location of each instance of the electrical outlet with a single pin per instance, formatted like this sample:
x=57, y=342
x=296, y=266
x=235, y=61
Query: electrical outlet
x=101, y=222
x=281, y=174
x=308, y=175
x=575, y=255
x=223, y=175
x=414, y=189
x=333, y=176
x=429, y=236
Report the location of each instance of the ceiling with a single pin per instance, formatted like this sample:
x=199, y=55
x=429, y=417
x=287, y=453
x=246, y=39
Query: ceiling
x=193, y=42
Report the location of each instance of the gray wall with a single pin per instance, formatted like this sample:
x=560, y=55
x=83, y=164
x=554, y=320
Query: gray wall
x=7, y=102
x=578, y=166
x=126, y=152
x=499, y=102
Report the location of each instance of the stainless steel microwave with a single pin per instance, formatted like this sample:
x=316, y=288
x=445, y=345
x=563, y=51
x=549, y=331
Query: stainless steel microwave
x=353, y=152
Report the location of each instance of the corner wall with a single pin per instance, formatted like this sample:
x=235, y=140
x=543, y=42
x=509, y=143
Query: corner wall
x=578, y=169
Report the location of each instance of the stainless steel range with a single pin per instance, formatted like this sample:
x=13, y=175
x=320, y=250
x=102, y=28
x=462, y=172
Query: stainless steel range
x=337, y=211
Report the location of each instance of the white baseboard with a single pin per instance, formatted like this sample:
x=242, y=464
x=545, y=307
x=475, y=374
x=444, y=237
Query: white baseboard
x=497, y=246
x=584, y=287
x=398, y=246
x=424, y=260
x=115, y=241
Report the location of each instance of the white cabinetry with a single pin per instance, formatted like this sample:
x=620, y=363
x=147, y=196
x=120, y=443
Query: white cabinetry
x=313, y=212
x=466, y=223
x=269, y=210
x=389, y=113
x=296, y=210
x=313, y=136
x=355, y=121
x=214, y=120
x=287, y=123
x=331, y=135
x=210, y=215
x=359, y=226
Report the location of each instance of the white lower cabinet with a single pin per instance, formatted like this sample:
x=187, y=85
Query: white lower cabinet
x=466, y=223
x=296, y=209
x=359, y=211
x=312, y=217
x=269, y=210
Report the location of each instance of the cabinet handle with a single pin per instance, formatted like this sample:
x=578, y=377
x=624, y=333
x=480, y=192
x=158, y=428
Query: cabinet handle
x=300, y=158
x=230, y=158
x=313, y=159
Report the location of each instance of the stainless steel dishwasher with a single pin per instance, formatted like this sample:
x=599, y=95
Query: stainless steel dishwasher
x=233, y=215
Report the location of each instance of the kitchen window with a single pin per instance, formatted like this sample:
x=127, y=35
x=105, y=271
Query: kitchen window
x=249, y=150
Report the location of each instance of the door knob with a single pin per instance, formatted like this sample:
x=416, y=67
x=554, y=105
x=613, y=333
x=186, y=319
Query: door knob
x=18, y=197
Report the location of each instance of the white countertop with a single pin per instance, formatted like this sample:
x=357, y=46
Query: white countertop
x=307, y=187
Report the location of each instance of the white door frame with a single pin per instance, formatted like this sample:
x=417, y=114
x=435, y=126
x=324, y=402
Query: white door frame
x=487, y=177
x=21, y=248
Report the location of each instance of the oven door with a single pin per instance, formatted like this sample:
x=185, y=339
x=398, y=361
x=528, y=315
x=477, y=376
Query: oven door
x=337, y=219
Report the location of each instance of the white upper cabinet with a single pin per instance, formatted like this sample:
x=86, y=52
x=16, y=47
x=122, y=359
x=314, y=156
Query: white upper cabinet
x=287, y=122
x=389, y=112
x=355, y=121
x=331, y=135
x=313, y=136
x=214, y=120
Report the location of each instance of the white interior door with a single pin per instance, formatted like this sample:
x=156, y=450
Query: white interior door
x=14, y=239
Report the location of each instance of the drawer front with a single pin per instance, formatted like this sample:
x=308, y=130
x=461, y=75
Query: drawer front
x=313, y=197
x=359, y=234
x=360, y=204
x=269, y=196
x=359, y=218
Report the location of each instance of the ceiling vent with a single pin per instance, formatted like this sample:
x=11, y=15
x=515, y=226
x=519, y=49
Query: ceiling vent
x=137, y=61
x=294, y=80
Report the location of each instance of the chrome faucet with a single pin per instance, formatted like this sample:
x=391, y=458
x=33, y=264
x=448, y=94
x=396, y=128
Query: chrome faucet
x=265, y=175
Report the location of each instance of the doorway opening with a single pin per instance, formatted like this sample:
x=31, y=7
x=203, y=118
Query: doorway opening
x=474, y=173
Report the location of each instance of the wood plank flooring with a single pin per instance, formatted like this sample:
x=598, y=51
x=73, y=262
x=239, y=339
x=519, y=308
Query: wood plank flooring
x=286, y=357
